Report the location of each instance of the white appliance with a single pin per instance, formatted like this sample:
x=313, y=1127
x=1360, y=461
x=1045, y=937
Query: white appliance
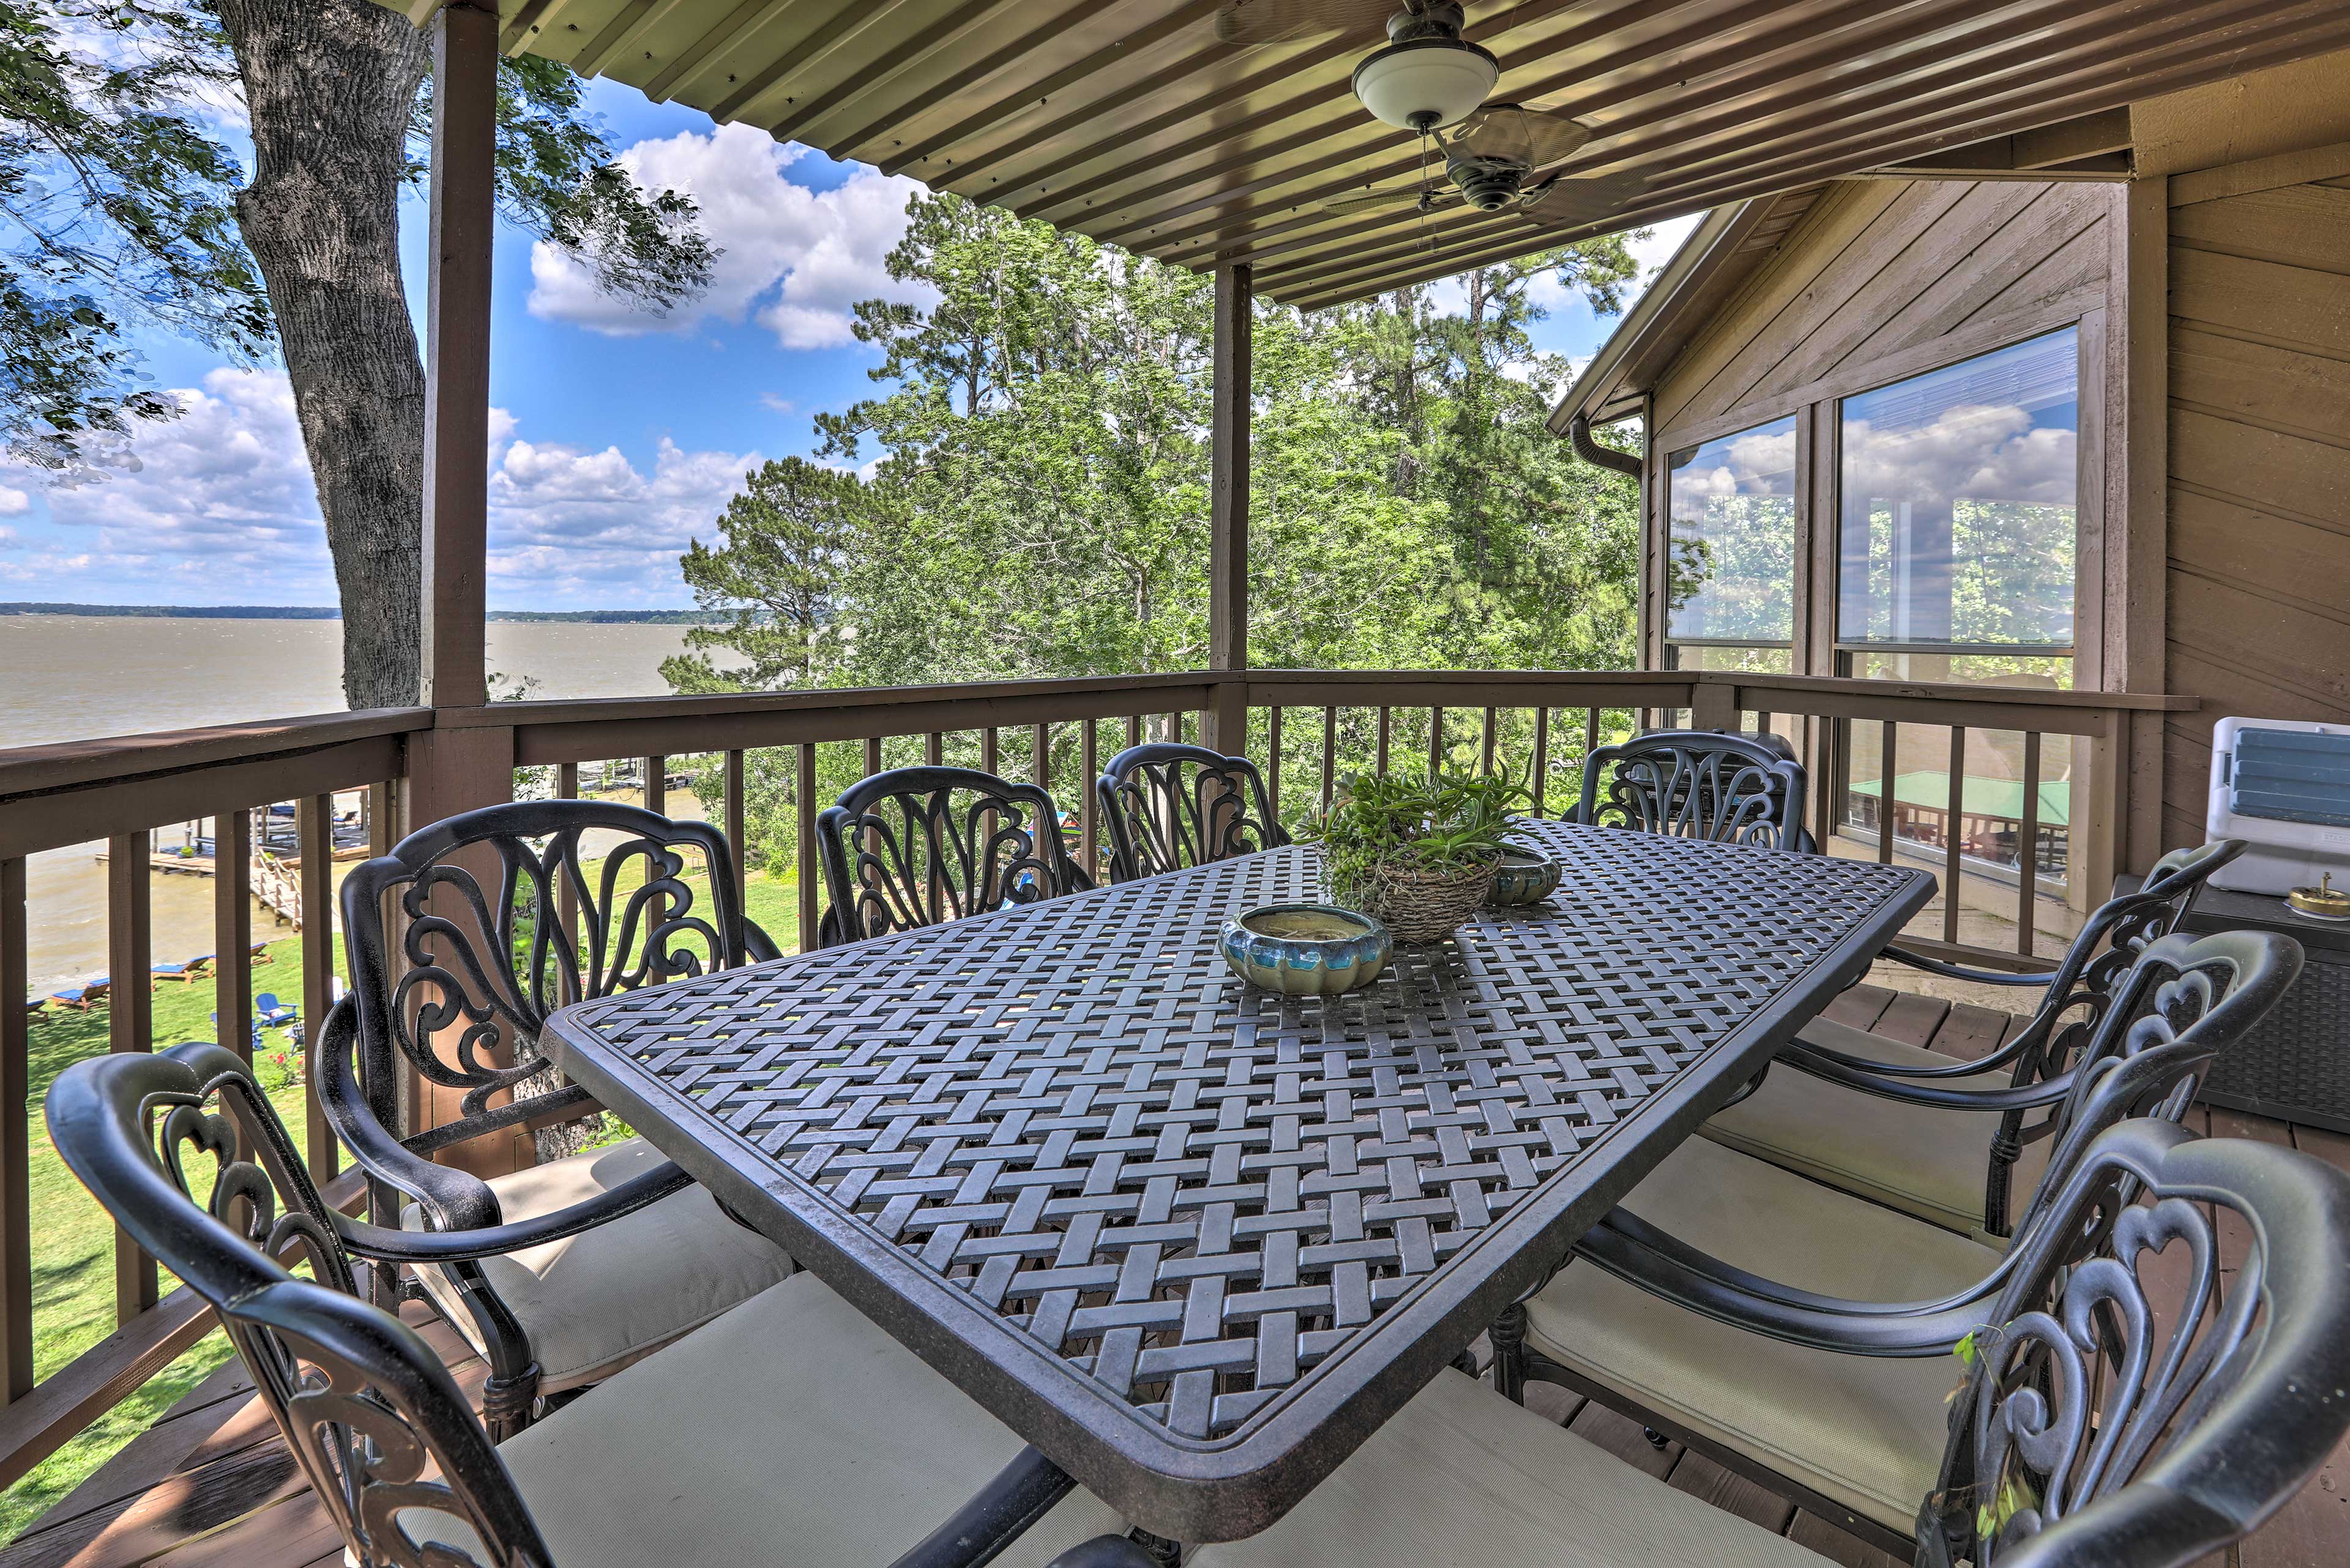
x=2283, y=786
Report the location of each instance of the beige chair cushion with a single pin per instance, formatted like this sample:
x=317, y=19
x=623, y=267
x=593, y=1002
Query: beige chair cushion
x=1920, y=1159
x=596, y=1301
x=789, y=1431
x=1862, y=1430
x=1461, y=1477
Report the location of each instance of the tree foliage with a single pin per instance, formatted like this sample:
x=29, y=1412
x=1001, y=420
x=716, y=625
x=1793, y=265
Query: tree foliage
x=1037, y=500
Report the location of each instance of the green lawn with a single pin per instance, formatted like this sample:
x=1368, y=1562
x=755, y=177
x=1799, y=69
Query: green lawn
x=73, y=1240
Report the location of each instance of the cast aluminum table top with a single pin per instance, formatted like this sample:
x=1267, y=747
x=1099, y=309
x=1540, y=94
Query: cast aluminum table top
x=1195, y=1241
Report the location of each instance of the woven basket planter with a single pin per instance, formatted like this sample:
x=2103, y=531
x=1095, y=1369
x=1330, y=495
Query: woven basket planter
x=1419, y=906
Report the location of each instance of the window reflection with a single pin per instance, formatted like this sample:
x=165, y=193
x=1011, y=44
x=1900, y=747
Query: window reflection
x=1732, y=504
x=1958, y=499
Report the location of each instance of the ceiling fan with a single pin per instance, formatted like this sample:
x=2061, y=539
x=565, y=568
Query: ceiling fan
x=1430, y=80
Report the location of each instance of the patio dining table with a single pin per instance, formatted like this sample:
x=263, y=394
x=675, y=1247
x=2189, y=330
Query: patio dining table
x=1192, y=1241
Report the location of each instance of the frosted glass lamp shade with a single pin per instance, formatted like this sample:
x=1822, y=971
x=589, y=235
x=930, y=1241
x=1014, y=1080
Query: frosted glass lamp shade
x=1426, y=83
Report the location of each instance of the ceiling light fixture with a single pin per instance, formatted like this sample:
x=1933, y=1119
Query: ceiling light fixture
x=1428, y=77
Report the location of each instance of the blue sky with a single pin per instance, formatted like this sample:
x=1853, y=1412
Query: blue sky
x=616, y=437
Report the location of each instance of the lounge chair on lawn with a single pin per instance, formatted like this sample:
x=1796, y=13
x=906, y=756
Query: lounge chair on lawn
x=80, y=997
x=187, y=973
x=259, y=954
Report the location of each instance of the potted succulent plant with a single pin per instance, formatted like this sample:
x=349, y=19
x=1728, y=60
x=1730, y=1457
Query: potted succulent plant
x=1416, y=855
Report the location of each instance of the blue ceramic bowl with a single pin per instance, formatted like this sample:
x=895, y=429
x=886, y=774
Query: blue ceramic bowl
x=1305, y=949
x=1524, y=877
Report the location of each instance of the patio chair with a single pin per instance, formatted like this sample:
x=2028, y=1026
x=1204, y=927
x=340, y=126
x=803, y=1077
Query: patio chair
x=1717, y=785
x=1935, y=1134
x=188, y=973
x=1782, y=1327
x=2086, y=1433
x=83, y=997
x=273, y=1013
x=919, y=846
x=614, y=1250
x=790, y=1429
x=1167, y=805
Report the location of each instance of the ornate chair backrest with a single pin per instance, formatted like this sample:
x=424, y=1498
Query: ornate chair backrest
x=921, y=846
x=1717, y=785
x=365, y=1405
x=2126, y=1413
x=2101, y=956
x=484, y=899
x=1168, y=805
x=2186, y=1001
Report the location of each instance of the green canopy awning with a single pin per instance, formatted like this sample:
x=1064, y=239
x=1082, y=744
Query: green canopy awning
x=2000, y=798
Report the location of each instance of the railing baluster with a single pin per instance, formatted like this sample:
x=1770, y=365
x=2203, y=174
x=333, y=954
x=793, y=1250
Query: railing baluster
x=1387, y=725
x=16, y=1140
x=1435, y=740
x=1539, y=779
x=1040, y=754
x=806, y=804
x=1178, y=726
x=872, y=755
x=737, y=826
x=1088, y=769
x=232, y=933
x=1272, y=760
x=1329, y=755
x=566, y=897
x=314, y=818
x=129, y=1022
x=1886, y=755
x=988, y=747
x=1952, y=835
x=1486, y=764
x=1134, y=729
x=934, y=748
x=2027, y=849
x=657, y=786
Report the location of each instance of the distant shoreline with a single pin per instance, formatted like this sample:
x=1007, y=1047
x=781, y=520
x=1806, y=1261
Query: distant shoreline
x=328, y=612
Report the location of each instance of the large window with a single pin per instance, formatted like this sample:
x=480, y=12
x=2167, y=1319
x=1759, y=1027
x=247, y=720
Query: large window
x=1957, y=505
x=1732, y=571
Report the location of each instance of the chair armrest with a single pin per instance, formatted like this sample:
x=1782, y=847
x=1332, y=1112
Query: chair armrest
x=1105, y=1551
x=1883, y=1081
x=1023, y=1492
x=1960, y=971
x=458, y=1200
x=1657, y=1263
x=402, y=1246
x=757, y=943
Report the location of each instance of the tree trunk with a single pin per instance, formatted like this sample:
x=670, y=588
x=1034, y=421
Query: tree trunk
x=331, y=84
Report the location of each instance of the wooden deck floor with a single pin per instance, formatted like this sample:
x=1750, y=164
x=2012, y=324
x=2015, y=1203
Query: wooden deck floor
x=212, y=1486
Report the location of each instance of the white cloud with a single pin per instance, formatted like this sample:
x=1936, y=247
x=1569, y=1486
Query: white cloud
x=1663, y=240
x=798, y=258
x=1983, y=451
x=13, y=502
x=777, y=403
x=580, y=526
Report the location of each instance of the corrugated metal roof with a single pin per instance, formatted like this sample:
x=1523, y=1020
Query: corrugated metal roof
x=1130, y=121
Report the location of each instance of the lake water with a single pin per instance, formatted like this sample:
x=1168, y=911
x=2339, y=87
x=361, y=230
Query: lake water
x=65, y=677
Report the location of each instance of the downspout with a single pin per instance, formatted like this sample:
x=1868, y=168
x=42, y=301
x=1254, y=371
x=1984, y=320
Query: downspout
x=1578, y=433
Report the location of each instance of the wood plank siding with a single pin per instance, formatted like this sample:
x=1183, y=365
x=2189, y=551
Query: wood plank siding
x=2259, y=551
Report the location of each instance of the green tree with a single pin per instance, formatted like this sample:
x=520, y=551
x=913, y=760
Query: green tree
x=125, y=206
x=775, y=574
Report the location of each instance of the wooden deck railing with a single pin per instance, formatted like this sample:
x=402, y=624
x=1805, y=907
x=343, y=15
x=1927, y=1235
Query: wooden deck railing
x=1309, y=729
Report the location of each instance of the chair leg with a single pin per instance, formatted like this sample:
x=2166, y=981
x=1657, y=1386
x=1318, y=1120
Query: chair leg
x=1507, y=1333
x=507, y=1403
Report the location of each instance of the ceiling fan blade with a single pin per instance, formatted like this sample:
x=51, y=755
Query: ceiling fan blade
x=1244, y=23
x=1400, y=196
x=1566, y=199
x=1513, y=132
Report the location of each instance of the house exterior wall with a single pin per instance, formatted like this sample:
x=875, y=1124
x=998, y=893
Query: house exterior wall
x=2258, y=585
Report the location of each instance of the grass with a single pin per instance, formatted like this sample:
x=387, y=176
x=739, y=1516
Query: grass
x=73, y=1239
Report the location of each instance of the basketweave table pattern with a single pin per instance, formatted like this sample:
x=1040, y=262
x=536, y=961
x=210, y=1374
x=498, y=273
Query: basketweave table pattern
x=1195, y=1240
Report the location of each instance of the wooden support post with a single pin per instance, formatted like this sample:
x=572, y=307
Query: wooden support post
x=1713, y=705
x=16, y=1141
x=1228, y=524
x=232, y=933
x=464, y=201
x=315, y=824
x=130, y=1021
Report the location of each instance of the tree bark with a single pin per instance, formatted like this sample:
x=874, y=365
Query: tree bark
x=331, y=84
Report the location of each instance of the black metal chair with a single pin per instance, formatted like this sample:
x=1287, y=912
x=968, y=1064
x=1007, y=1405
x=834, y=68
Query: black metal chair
x=616, y=1251
x=788, y=1430
x=1779, y=1325
x=1941, y=1137
x=1167, y=805
x=2120, y=1410
x=1718, y=784
x=921, y=846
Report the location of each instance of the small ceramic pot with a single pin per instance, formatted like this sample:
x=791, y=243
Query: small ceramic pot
x=1524, y=877
x=1305, y=949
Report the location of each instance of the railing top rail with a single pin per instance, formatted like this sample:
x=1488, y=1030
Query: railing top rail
x=605, y=709
x=69, y=765
x=1955, y=691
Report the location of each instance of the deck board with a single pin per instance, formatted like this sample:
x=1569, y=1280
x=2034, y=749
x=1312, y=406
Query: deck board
x=212, y=1486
